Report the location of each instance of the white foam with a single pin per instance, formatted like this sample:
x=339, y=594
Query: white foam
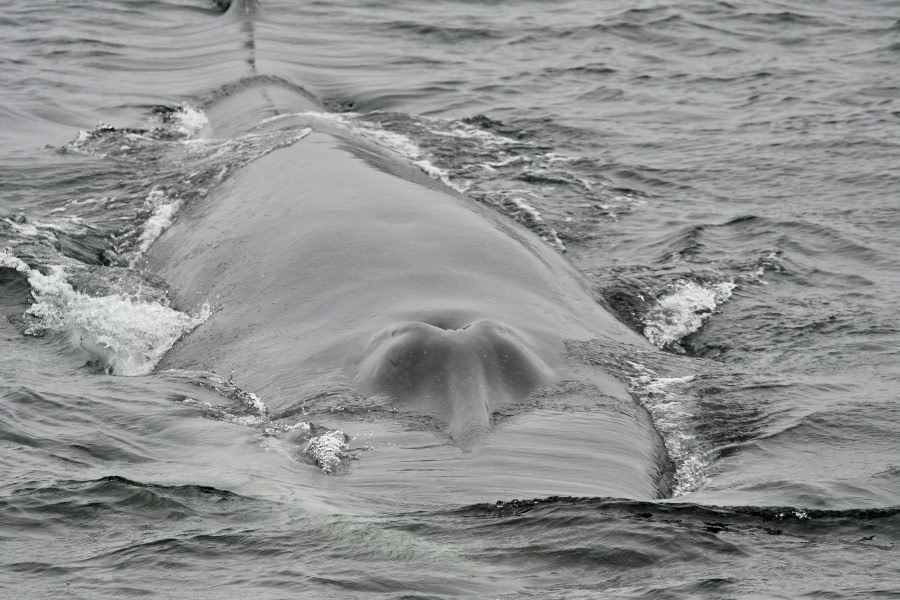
x=81, y=139
x=127, y=336
x=512, y=160
x=486, y=138
x=527, y=208
x=249, y=400
x=669, y=406
x=162, y=214
x=435, y=172
x=551, y=237
x=47, y=233
x=328, y=450
x=189, y=120
x=683, y=310
x=24, y=229
x=554, y=157
x=222, y=414
x=397, y=142
x=770, y=262
x=9, y=261
x=406, y=148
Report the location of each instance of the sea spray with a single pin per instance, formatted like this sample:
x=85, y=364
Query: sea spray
x=124, y=335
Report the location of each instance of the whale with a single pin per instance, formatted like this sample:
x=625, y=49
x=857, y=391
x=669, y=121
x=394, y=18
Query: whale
x=332, y=265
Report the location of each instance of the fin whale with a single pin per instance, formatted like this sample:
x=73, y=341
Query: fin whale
x=330, y=261
x=360, y=265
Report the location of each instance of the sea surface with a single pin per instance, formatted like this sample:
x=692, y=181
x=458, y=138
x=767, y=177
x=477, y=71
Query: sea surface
x=725, y=175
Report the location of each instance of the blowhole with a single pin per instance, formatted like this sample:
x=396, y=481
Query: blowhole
x=448, y=322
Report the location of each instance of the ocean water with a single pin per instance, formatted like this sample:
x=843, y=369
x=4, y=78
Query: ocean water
x=725, y=175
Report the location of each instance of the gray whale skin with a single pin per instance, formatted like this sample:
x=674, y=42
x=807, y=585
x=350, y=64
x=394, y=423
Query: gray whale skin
x=330, y=263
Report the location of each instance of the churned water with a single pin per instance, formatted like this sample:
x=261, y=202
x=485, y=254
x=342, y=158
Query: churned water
x=725, y=175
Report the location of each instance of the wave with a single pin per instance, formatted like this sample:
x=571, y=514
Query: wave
x=126, y=335
x=682, y=310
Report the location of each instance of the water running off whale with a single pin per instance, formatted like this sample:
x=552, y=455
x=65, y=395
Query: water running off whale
x=333, y=265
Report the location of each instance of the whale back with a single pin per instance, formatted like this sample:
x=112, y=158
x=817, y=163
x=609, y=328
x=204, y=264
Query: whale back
x=332, y=266
x=309, y=251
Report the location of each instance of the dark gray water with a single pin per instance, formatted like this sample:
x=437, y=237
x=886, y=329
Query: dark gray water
x=727, y=177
